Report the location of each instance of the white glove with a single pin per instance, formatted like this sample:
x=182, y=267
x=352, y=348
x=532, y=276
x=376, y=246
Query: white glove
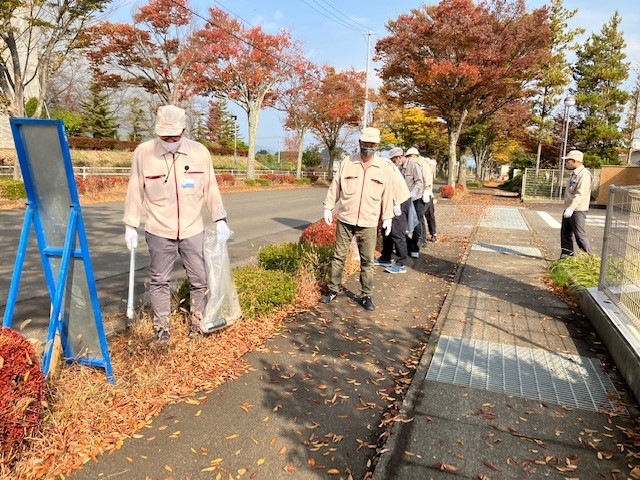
x=397, y=210
x=386, y=226
x=567, y=213
x=130, y=237
x=222, y=229
x=328, y=216
x=412, y=195
x=426, y=197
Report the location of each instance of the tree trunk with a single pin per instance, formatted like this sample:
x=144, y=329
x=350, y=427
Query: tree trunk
x=462, y=171
x=254, y=117
x=454, y=128
x=301, y=133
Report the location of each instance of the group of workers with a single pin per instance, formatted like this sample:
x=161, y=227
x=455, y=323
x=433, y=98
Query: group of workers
x=172, y=179
x=367, y=188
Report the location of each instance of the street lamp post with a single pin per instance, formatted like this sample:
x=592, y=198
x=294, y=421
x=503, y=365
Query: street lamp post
x=569, y=101
x=235, y=136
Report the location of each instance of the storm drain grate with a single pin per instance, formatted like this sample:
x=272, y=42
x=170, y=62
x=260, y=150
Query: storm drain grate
x=570, y=380
x=507, y=249
x=504, y=217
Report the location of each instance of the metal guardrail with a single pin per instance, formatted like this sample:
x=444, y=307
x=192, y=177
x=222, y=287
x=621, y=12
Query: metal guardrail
x=548, y=184
x=620, y=264
x=84, y=172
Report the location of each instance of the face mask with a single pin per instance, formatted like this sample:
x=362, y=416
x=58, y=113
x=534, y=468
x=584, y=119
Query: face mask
x=368, y=151
x=171, y=146
x=570, y=167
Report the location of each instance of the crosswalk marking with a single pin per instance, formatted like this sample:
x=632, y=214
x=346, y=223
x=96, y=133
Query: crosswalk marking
x=595, y=220
x=552, y=222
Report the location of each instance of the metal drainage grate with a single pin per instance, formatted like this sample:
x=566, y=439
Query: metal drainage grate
x=570, y=380
x=507, y=249
x=504, y=217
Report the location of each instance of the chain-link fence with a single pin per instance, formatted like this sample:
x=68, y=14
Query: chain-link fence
x=548, y=184
x=620, y=267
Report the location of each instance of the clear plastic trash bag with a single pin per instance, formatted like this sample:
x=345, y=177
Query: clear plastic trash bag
x=412, y=220
x=223, y=307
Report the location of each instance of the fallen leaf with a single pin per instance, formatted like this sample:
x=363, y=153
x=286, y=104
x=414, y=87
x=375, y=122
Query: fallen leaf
x=445, y=467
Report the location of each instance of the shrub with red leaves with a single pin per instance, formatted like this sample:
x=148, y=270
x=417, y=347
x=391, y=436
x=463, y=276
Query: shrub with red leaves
x=22, y=393
x=98, y=184
x=225, y=179
x=447, y=191
x=460, y=187
x=277, y=179
x=320, y=234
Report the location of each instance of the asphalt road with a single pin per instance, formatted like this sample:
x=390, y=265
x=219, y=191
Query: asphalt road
x=257, y=218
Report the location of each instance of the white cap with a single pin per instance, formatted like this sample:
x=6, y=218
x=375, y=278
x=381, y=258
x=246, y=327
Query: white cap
x=576, y=155
x=370, y=135
x=170, y=121
x=395, y=152
x=412, y=151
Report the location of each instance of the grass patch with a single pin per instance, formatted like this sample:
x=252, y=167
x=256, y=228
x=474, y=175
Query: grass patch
x=581, y=270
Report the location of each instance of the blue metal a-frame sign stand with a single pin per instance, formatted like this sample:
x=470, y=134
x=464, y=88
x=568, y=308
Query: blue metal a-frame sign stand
x=51, y=189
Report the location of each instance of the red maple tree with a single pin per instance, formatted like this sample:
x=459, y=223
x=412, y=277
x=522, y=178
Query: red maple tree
x=245, y=65
x=462, y=60
x=337, y=102
x=154, y=53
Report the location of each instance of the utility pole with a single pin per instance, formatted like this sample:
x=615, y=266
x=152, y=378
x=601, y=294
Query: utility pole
x=278, y=151
x=366, y=81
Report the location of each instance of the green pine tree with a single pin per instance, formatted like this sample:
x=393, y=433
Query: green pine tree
x=99, y=118
x=221, y=125
x=599, y=73
x=556, y=75
x=138, y=120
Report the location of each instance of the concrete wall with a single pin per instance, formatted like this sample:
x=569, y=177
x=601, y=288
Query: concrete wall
x=618, y=175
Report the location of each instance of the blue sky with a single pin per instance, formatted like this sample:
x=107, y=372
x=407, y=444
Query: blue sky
x=333, y=33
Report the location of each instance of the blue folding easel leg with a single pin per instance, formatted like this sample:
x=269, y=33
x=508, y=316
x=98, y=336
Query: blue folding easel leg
x=93, y=292
x=55, y=323
x=17, y=269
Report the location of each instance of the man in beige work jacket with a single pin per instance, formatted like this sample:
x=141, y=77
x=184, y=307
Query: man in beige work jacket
x=361, y=189
x=576, y=204
x=171, y=180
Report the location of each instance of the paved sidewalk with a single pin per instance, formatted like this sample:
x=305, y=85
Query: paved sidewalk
x=311, y=401
x=513, y=383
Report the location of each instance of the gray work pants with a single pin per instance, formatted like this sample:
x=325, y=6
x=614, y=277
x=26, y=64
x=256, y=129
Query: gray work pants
x=574, y=227
x=366, y=238
x=163, y=256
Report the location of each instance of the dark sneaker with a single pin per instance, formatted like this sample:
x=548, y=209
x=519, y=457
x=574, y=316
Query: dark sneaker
x=162, y=339
x=367, y=303
x=396, y=269
x=434, y=238
x=381, y=262
x=329, y=297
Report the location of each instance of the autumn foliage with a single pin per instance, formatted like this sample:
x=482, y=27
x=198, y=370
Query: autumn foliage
x=319, y=234
x=462, y=60
x=22, y=393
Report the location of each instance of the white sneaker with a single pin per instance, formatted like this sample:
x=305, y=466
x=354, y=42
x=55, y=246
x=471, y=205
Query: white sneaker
x=414, y=255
